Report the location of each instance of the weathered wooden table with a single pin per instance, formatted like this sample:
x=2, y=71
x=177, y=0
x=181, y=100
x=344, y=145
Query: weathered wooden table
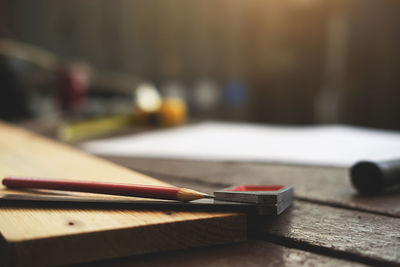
x=328, y=224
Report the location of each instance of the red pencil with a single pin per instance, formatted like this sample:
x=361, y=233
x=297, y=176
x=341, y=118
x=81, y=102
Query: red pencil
x=134, y=190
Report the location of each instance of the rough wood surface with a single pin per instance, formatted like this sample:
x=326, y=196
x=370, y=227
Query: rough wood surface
x=49, y=236
x=251, y=253
x=345, y=233
x=333, y=226
x=326, y=185
x=359, y=235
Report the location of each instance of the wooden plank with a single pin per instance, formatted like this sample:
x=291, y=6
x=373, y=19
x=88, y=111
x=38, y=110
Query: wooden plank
x=44, y=236
x=251, y=253
x=359, y=235
x=338, y=232
x=327, y=185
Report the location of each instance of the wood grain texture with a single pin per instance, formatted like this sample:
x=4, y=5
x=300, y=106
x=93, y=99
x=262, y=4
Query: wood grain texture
x=326, y=185
x=367, y=237
x=251, y=253
x=52, y=236
x=350, y=234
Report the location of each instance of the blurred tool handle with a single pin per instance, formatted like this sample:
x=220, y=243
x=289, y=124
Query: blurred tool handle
x=375, y=177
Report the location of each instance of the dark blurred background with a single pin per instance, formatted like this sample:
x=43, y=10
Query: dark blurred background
x=285, y=62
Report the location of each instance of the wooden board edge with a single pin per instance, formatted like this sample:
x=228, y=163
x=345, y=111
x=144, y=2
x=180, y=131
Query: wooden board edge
x=126, y=242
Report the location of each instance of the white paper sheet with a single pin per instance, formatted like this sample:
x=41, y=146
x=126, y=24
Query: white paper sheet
x=315, y=145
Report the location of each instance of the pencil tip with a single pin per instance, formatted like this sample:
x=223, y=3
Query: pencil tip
x=185, y=194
